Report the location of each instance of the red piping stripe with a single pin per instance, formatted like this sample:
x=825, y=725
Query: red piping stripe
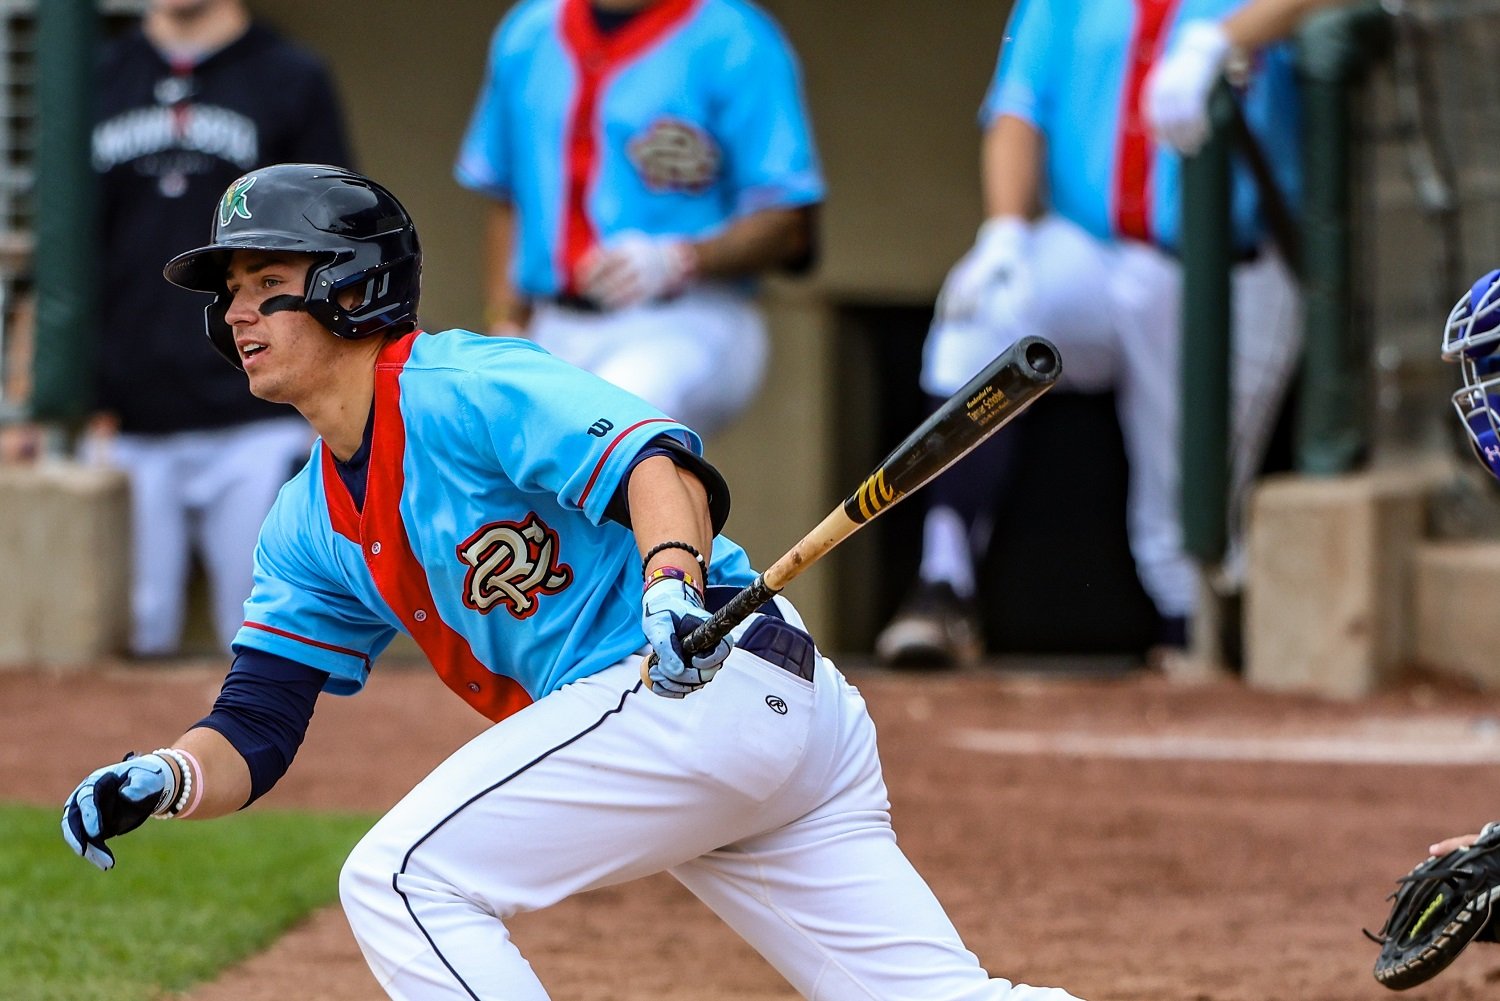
x=310, y=642
x=599, y=466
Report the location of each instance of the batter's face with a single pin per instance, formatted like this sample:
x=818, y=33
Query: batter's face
x=287, y=355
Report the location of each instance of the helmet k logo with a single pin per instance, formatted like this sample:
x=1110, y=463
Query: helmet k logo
x=512, y=563
x=234, y=201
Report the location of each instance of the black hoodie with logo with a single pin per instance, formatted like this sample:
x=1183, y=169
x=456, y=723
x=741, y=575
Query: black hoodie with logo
x=168, y=140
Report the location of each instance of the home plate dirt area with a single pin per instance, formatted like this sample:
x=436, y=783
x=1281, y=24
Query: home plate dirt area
x=1116, y=833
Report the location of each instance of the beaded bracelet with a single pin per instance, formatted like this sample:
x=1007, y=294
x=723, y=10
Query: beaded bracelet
x=197, y=784
x=684, y=546
x=184, y=787
x=675, y=573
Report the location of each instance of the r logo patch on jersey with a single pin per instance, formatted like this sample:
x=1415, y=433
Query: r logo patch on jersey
x=674, y=155
x=512, y=563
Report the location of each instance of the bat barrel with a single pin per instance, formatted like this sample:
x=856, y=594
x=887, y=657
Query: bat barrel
x=993, y=398
x=1005, y=387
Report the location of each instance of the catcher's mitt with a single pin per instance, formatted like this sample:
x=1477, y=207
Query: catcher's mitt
x=1441, y=906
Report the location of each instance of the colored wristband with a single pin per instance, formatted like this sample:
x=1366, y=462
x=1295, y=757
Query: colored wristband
x=661, y=547
x=673, y=573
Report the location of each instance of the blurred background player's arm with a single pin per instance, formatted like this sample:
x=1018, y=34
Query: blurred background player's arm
x=1010, y=170
x=1175, y=97
x=636, y=268
x=769, y=240
x=20, y=441
x=1261, y=22
x=506, y=310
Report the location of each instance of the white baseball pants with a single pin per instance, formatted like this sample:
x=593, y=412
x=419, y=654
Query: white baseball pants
x=207, y=491
x=698, y=358
x=776, y=818
x=1115, y=312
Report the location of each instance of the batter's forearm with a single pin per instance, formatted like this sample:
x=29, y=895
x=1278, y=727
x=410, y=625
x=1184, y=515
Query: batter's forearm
x=223, y=779
x=759, y=242
x=1011, y=168
x=668, y=503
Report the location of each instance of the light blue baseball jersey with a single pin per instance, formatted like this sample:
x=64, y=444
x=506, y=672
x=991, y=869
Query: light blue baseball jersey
x=1075, y=70
x=483, y=532
x=688, y=117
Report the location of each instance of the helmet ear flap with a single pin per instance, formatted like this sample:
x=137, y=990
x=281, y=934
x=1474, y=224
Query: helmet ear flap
x=387, y=305
x=219, y=332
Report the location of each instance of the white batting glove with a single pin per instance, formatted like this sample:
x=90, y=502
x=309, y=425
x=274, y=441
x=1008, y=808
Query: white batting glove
x=670, y=610
x=635, y=268
x=1175, y=97
x=997, y=260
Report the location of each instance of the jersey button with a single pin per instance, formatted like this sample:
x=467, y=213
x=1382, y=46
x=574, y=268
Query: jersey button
x=374, y=549
x=420, y=615
x=473, y=686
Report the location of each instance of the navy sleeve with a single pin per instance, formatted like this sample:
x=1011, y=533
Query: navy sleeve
x=713, y=481
x=263, y=710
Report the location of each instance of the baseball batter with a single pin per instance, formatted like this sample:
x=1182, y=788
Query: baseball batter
x=645, y=160
x=505, y=509
x=1080, y=246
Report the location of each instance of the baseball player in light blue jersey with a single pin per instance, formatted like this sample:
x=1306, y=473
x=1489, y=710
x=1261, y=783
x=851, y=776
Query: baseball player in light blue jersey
x=1080, y=246
x=645, y=160
x=535, y=530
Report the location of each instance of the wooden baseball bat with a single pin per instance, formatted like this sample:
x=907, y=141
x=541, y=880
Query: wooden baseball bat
x=993, y=398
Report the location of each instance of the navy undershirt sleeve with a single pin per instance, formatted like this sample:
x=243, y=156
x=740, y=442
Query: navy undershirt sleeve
x=618, y=508
x=263, y=710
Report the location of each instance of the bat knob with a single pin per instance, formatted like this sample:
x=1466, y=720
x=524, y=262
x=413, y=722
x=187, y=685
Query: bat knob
x=647, y=661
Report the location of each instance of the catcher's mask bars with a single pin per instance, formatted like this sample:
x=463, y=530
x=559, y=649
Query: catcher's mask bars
x=1471, y=338
x=359, y=233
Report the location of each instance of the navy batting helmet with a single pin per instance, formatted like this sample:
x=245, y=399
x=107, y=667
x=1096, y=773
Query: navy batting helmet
x=359, y=232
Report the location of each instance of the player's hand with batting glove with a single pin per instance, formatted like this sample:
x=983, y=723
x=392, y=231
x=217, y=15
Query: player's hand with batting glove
x=671, y=609
x=996, y=261
x=115, y=800
x=635, y=268
x=1174, y=100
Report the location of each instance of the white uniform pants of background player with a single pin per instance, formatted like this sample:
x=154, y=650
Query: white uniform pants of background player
x=205, y=491
x=1114, y=310
x=762, y=793
x=698, y=358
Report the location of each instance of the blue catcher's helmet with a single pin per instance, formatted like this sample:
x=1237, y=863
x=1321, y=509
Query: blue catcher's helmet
x=360, y=234
x=1470, y=338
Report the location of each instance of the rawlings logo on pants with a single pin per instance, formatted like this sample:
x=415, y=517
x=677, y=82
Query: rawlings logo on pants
x=512, y=562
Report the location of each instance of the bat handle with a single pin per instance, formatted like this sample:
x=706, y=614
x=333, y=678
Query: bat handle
x=732, y=613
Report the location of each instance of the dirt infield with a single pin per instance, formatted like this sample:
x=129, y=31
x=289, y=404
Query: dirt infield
x=1119, y=835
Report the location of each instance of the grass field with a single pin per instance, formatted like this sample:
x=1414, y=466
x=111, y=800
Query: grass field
x=184, y=901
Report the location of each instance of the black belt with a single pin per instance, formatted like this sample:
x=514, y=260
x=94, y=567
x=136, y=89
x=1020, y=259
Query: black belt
x=583, y=304
x=577, y=303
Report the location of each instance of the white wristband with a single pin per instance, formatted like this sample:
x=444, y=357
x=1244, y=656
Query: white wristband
x=174, y=798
